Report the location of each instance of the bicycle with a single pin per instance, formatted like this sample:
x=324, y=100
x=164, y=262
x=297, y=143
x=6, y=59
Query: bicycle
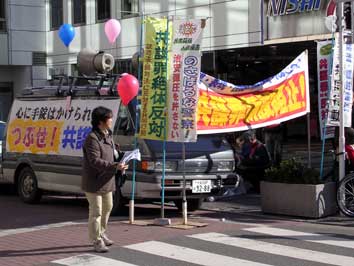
x=345, y=195
x=345, y=189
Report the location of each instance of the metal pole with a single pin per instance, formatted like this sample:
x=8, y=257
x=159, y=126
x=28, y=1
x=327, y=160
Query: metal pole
x=184, y=198
x=163, y=182
x=131, y=202
x=340, y=9
x=262, y=22
x=309, y=139
x=351, y=27
x=164, y=133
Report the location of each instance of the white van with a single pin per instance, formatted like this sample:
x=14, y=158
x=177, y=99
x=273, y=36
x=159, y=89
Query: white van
x=43, y=151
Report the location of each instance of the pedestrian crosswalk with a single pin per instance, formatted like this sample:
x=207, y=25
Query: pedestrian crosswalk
x=258, y=246
x=276, y=249
x=91, y=260
x=189, y=255
x=309, y=237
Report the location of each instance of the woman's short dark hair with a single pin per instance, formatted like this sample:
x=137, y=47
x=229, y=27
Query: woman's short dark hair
x=100, y=114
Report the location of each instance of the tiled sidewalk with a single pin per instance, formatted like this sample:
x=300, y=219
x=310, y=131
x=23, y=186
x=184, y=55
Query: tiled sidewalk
x=41, y=246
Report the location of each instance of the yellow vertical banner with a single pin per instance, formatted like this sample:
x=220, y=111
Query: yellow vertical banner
x=153, y=118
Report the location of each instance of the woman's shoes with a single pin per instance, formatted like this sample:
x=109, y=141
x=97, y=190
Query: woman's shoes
x=106, y=240
x=99, y=246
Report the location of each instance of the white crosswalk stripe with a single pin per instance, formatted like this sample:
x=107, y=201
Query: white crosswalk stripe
x=309, y=237
x=91, y=260
x=212, y=248
x=276, y=249
x=190, y=255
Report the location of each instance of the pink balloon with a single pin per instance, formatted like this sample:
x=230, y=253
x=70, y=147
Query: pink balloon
x=128, y=88
x=112, y=29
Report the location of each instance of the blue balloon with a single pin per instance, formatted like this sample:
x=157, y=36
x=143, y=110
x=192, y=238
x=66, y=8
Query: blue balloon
x=66, y=34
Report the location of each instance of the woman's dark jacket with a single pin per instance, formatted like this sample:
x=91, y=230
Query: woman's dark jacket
x=98, y=174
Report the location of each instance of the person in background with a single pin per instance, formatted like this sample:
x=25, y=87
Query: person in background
x=273, y=139
x=254, y=159
x=98, y=176
x=349, y=149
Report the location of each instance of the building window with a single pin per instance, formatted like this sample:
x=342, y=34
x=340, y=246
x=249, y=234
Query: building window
x=79, y=12
x=39, y=58
x=56, y=12
x=2, y=16
x=124, y=66
x=130, y=8
x=103, y=10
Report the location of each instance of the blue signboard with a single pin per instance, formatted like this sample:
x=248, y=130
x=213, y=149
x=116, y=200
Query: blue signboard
x=286, y=7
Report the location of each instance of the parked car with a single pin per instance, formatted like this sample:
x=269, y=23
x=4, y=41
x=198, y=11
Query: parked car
x=46, y=130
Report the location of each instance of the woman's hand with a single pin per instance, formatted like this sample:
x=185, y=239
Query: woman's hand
x=122, y=167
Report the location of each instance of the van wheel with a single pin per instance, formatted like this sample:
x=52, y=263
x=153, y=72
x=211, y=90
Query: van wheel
x=192, y=204
x=28, y=187
x=118, y=202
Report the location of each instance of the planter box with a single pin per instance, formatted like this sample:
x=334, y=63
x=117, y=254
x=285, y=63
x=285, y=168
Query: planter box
x=312, y=201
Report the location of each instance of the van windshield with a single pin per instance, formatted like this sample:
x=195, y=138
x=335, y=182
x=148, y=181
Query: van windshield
x=205, y=144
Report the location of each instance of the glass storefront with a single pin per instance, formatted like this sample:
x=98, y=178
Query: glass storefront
x=249, y=65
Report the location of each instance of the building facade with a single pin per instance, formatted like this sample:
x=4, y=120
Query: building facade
x=22, y=48
x=221, y=31
x=244, y=41
x=290, y=27
x=31, y=51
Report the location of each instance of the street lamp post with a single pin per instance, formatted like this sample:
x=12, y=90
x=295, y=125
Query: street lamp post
x=341, y=148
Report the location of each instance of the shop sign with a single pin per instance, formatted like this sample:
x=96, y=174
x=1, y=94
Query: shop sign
x=287, y=7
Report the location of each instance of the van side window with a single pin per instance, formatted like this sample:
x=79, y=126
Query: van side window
x=124, y=124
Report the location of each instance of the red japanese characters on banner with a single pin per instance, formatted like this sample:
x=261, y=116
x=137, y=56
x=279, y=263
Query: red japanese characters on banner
x=225, y=107
x=176, y=83
x=223, y=113
x=324, y=51
x=35, y=136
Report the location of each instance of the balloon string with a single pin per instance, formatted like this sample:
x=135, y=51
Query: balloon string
x=137, y=114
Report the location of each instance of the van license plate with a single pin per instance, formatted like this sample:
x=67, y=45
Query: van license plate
x=201, y=186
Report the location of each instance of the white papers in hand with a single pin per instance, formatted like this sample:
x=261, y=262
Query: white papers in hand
x=130, y=155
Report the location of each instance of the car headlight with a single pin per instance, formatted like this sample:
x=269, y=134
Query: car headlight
x=225, y=166
x=170, y=166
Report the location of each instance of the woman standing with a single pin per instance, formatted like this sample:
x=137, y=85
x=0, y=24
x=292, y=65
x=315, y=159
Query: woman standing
x=98, y=177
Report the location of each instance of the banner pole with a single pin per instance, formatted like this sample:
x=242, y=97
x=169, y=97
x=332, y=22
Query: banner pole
x=164, y=132
x=184, y=198
x=163, y=181
x=131, y=202
x=341, y=151
x=309, y=139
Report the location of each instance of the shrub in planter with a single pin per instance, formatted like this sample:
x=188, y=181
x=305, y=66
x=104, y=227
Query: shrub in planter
x=294, y=189
x=292, y=172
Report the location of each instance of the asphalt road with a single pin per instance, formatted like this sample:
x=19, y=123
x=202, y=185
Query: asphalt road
x=54, y=232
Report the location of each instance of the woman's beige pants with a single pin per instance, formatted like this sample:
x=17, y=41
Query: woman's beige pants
x=100, y=206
